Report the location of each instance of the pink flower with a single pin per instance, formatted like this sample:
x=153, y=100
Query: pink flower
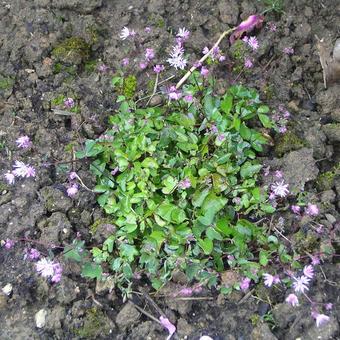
x=72, y=190
x=73, y=175
x=143, y=65
x=315, y=260
x=292, y=300
x=282, y=129
x=328, y=306
x=221, y=58
x=280, y=189
x=69, y=103
x=184, y=184
x=47, y=268
x=253, y=43
x=165, y=322
x=185, y=292
x=158, y=68
x=205, y=50
x=246, y=26
x=308, y=271
x=125, y=62
x=149, y=54
x=204, y=71
x=278, y=174
x=10, y=178
x=245, y=283
x=114, y=171
x=147, y=29
x=312, y=210
x=188, y=98
x=177, y=58
x=248, y=63
x=24, y=142
x=23, y=170
x=296, y=209
x=301, y=284
x=174, y=94
x=103, y=68
x=32, y=254
x=271, y=26
x=183, y=33
x=269, y=279
x=9, y=243
x=126, y=33
x=288, y=50
x=320, y=319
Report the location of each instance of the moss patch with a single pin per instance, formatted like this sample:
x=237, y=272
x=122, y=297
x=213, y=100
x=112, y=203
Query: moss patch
x=287, y=142
x=73, y=50
x=95, y=325
x=129, y=86
x=6, y=82
x=325, y=181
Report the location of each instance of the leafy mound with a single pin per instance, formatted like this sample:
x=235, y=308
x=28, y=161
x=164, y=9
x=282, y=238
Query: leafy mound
x=178, y=181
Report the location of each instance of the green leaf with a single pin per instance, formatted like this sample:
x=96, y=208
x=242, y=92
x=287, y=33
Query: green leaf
x=169, y=184
x=227, y=104
x=128, y=251
x=263, y=109
x=265, y=120
x=223, y=226
x=178, y=215
x=92, y=270
x=263, y=258
x=198, y=197
x=165, y=211
x=150, y=163
x=206, y=245
x=212, y=234
x=248, y=169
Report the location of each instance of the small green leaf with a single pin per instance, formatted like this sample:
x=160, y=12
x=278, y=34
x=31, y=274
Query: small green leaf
x=212, y=234
x=92, y=270
x=265, y=120
x=169, y=184
x=206, y=245
x=263, y=258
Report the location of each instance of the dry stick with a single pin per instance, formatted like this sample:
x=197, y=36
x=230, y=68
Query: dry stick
x=323, y=58
x=154, y=89
x=193, y=68
x=144, y=312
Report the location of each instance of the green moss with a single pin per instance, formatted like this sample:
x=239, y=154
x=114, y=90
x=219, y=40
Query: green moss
x=255, y=319
x=97, y=223
x=90, y=66
x=95, y=325
x=288, y=141
x=305, y=242
x=6, y=82
x=325, y=181
x=269, y=91
x=129, y=86
x=73, y=50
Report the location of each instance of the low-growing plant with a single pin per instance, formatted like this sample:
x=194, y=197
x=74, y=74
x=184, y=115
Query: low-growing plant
x=180, y=183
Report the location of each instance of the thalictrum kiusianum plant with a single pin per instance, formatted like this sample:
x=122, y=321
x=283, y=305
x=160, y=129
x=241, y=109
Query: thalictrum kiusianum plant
x=179, y=182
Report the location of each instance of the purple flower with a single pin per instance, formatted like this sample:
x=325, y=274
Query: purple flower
x=114, y=171
x=245, y=39
x=188, y=98
x=328, y=306
x=315, y=260
x=24, y=142
x=183, y=33
x=173, y=93
x=296, y=209
x=69, y=103
x=143, y=65
x=149, y=54
x=301, y=284
x=186, y=291
x=158, y=68
x=103, y=68
x=10, y=177
x=147, y=29
x=221, y=137
x=280, y=189
x=125, y=62
x=271, y=26
x=72, y=190
x=320, y=319
x=292, y=300
x=9, y=243
x=165, y=322
x=205, y=50
x=47, y=268
x=23, y=170
x=248, y=63
x=269, y=279
x=253, y=43
x=126, y=33
x=308, y=271
x=282, y=129
x=32, y=254
x=221, y=58
x=204, y=71
x=288, y=50
x=184, y=184
x=312, y=210
x=278, y=174
x=245, y=283
x=73, y=175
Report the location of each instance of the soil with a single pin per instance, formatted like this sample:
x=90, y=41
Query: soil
x=47, y=49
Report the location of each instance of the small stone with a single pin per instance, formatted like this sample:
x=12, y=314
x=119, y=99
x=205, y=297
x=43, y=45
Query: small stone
x=7, y=289
x=3, y=302
x=262, y=332
x=156, y=100
x=184, y=328
x=332, y=131
x=40, y=318
x=127, y=316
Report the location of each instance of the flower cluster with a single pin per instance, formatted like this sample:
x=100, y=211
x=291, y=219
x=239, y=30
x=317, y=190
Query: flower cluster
x=23, y=142
x=310, y=210
x=49, y=269
x=126, y=33
x=281, y=118
x=177, y=59
x=20, y=169
x=73, y=187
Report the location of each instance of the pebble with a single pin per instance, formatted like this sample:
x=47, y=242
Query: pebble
x=40, y=318
x=7, y=289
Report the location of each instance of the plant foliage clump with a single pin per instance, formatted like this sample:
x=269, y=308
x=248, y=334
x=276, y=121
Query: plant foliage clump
x=179, y=182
